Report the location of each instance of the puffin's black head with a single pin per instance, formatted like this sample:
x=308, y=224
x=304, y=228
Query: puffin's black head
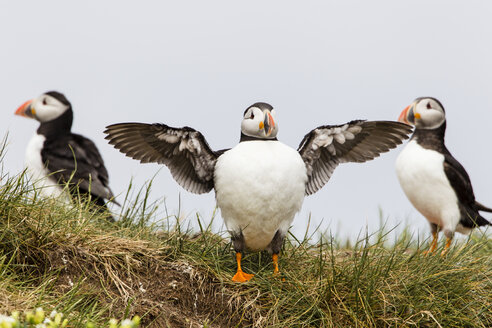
x=261, y=105
x=47, y=107
x=59, y=96
x=425, y=113
x=259, y=121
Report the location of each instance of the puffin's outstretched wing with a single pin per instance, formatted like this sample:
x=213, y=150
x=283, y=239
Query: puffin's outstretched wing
x=75, y=159
x=325, y=147
x=183, y=150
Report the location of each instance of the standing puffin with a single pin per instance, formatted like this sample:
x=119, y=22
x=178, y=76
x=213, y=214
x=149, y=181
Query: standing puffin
x=259, y=184
x=432, y=179
x=55, y=156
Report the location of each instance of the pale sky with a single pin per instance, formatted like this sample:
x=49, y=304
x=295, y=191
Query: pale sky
x=201, y=63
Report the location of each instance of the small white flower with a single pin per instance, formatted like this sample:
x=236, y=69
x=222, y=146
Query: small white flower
x=6, y=319
x=113, y=323
x=127, y=323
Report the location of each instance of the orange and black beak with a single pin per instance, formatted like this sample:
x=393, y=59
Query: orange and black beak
x=268, y=123
x=407, y=115
x=26, y=110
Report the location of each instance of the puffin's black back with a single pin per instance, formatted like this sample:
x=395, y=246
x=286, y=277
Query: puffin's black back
x=73, y=158
x=433, y=139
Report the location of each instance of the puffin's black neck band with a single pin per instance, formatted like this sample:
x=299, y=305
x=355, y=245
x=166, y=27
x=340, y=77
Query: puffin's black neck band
x=59, y=126
x=431, y=138
x=248, y=138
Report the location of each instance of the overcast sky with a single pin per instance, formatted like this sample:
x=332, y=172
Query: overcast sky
x=201, y=63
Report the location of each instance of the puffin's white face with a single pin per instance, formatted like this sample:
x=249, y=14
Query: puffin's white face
x=44, y=108
x=259, y=121
x=424, y=113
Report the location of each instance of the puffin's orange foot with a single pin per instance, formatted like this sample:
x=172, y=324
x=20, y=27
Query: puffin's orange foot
x=446, y=247
x=277, y=275
x=276, y=272
x=240, y=276
x=428, y=252
x=433, y=244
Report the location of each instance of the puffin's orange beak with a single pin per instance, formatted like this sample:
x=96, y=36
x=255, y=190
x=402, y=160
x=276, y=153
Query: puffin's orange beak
x=403, y=115
x=26, y=110
x=408, y=115
x=269, y=124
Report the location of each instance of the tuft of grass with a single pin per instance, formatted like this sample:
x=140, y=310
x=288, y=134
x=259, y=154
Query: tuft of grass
x=39, y=319
x=71, y=259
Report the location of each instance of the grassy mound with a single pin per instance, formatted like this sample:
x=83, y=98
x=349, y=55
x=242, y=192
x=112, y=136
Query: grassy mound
x=72, y=260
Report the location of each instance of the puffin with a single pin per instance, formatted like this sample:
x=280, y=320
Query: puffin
x=56, y=157
x=260, y=183
x=436, y=184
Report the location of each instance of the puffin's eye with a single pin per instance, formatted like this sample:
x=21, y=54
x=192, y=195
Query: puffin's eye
x=44, y=101
x=429, y=105
x=252, y=115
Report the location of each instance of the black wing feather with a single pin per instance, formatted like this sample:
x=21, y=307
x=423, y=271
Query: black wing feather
x=183, y=150
x=460, y=181
x=359, y=141
x=75, y=159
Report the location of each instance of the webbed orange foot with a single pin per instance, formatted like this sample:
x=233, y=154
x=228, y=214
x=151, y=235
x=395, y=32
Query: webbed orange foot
x=241, y=276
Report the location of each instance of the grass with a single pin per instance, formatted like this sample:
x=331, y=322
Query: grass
x=70, y=259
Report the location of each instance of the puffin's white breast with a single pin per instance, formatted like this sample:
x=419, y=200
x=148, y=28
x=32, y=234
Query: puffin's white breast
x=422, y=178
x=45, y=185
x=259, y=186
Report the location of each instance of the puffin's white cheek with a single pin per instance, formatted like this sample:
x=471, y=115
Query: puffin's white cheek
x=432, y=119
x=244, y=126
x=46, y=114
x=250, y=127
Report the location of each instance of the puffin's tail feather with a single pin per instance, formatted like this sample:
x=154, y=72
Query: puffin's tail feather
x=472, y=219
x=481, y=221
x=481, y=207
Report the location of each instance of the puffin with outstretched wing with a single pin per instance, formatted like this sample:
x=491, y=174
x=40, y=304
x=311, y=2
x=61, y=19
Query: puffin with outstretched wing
x=260, y=184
